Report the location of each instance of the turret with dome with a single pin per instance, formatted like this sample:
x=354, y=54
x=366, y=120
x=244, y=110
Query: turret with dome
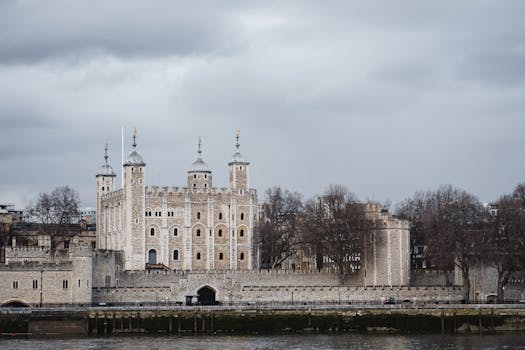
x=199, y=175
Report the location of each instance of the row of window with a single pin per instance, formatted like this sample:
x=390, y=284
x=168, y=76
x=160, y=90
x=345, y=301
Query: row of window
x=152, y=256
x=197, y=233
x=35, y=284
x=171, y=214
x=198, y=255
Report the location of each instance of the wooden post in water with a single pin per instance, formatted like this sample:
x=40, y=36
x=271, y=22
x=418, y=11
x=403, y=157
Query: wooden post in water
x=180, y=323
x=87, y=325
x=211, y=323
x=442, y=322
x=195, y=323
x=95, y=330
x=171, y=324
x=454, y=321
x=203, y=323
x=479, y=322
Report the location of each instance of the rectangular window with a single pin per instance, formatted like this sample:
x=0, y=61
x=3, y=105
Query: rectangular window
x=15, y=284
x=35, y=284
x=64, y=284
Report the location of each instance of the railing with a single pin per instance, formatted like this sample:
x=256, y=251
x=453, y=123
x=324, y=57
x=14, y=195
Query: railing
x=247, y=306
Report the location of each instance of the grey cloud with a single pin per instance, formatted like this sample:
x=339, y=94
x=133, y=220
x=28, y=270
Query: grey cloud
x=386, y=98
x=62, y=30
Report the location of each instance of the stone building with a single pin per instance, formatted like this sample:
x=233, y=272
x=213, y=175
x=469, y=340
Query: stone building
x=196, y=227
x=38, y=273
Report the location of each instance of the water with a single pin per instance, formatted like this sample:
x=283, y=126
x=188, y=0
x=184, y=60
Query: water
x=288, y=342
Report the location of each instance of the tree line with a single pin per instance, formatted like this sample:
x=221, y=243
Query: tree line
x=453, y=226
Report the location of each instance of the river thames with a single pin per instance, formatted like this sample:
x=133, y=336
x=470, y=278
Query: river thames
x=290, y=342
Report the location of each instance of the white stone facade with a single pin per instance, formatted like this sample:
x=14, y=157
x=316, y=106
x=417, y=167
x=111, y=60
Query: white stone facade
x=197, y=227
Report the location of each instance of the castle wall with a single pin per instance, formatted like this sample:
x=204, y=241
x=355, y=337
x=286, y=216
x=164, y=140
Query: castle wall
x=259, y=286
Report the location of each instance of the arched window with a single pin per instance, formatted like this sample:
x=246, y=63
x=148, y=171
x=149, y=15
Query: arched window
x=152, y=256
x=152, y=231
x=220, y=233
x=220, y=216
x=198, y=255
x=175, y=231
x=241, y=233
x=198, y=233
x=242, y=216
x=198, y=215
x=221, y=256
x=242, y=256
x=176, y=254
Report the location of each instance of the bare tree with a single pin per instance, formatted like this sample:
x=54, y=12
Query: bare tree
x=505, y=245
x=56, y=209
x=451, y=222
x=335, y=224
x=278, y=230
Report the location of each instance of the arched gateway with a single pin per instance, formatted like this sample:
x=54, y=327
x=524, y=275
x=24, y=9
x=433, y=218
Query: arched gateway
x=14, y=303
x=206, y=296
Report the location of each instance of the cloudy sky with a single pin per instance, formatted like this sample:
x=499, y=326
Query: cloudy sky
x=385, y=97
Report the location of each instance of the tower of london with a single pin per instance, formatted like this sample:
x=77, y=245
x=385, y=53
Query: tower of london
x=195, y=227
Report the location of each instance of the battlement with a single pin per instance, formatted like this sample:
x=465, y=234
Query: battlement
x=165, y=191
x=40, y=266
x=114, y=194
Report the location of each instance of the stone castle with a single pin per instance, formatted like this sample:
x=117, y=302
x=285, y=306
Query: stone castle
x=196, y=243
x=197, y=227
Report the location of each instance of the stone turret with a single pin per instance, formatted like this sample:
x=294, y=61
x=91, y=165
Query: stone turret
x=134, y=198
x=199, y=175
x=105, y=184
x=239, y=170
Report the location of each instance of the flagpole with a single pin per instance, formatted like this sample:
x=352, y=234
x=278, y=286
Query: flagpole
x=122, y=158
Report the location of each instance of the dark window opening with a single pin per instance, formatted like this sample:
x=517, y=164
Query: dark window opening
x=175, y=254
x=198, y=256
x=198, y=233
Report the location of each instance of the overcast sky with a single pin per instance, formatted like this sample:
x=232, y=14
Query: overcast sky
x=384, y=97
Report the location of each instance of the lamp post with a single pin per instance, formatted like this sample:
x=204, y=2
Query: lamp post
x=41, y=283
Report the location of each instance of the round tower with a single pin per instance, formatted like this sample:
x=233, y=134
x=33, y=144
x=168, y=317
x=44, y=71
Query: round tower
x=105, y=184
x=134, y=207
x=199, y=175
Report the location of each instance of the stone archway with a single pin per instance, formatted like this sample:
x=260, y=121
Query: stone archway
x=15, y=303
x=206, y=296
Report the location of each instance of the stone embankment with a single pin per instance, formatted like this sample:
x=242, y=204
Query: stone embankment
x=106, y=321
